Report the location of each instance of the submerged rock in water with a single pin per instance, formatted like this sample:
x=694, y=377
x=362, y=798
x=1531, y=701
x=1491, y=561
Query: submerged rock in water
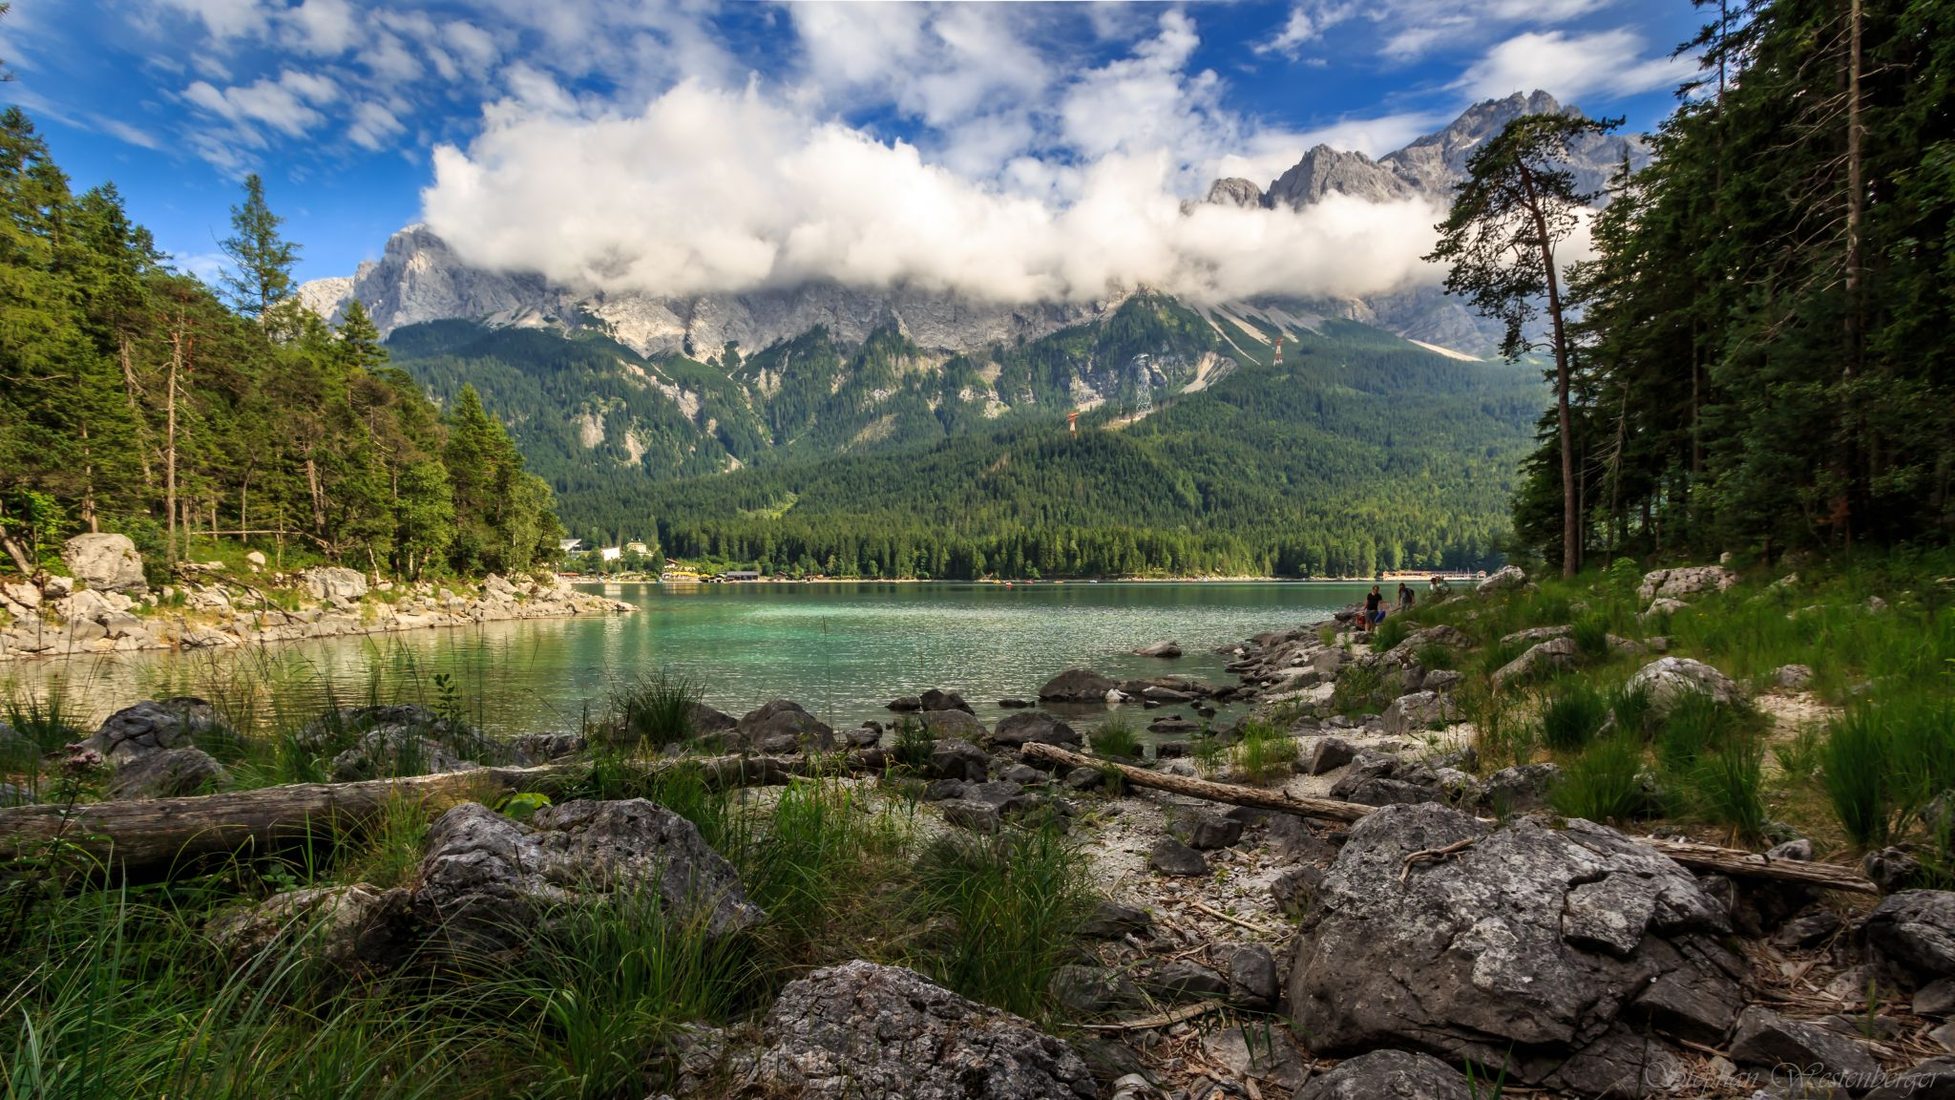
x=1077, y=685
x=863, y=1030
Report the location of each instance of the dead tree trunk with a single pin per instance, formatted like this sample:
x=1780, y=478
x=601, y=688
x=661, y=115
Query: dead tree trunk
x=152, y=837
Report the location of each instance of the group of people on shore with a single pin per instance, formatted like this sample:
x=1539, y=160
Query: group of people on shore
x=1374, y=606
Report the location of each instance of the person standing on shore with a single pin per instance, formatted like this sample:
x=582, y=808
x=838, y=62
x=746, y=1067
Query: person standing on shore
x=1404, y=596
x=1374, y=608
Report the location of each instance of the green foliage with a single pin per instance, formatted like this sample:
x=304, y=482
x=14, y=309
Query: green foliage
x=1364, y=452
x=134, y=400
x=653, y=711
x=1014, y=903
x=1364, y=687
x=1603, y=783
x=1389, y=633
x=1591, y=634
x=1882, y=762
x=1572, y=713
x=1761, y=342
x=1115, y=738
x=1265, y=753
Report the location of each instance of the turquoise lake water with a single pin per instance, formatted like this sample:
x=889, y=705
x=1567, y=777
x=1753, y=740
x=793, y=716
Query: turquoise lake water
x=841, y=650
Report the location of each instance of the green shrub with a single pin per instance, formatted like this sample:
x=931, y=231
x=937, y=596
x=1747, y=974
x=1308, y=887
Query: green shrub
x=1436, y=656
x=1591, y=634
x=1857, y=777
x=913, y=743
x=1363, y=687
x=1799, y=758
x=1725, y=786
x=1390, y=632
x=1631, y=709
x=1014, y=903
x=1604, y=783
x=1265, y=753
x=1115, y=738
x=1572, y=714
x=654, y=711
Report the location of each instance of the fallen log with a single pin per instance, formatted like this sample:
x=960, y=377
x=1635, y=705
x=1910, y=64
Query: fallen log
x=1699, y=857
x=147, y=837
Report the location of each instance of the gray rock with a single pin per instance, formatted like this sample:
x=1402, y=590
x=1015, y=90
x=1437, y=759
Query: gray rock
x=1263, y=1052
x=1024, y=775
x=1808, y=929
x=1421, y=710
x=953, y=723
x=390, y=751
x=151, y=726
x=1329, y=754
x=706, y=719
x=1032, y=727
x=1442, y=679
x=1389, y=1075
x=332, y=582
x=1689, y=580
x=487, y=881
x=1077, y=685
x=938, y=699
x=1554, y=655
x=1203, y=830
x=1793, y=677
x=1534, y=635
x=1765, y=1038
x=1507, y=578
x=1892, y=869
x=1933, y=1079
x=1520, y=788
x=1086, y=779
x=862, y=737
x=168, y=773
x=905, y=704
x=1177, y=981
x=941, y=790
x=969, y=813
x=783, y=726
x=954, y=759
x=1094, y=990
x=1799, y=849
x=1936, y=999
x=1469, y=955
x=1668, y=681
x=1008, y=796
x=863, y=1030
x=106, y=563
x=355, y=928
x=1915, y=930
x=1160, y=649
x=1253, y=980
x=1171, y=857
x=1111, y=920
x=536, y=748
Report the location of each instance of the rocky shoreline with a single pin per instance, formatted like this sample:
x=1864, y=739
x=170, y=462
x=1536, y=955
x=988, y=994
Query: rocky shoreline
x=106, y=605
x=1443, y=937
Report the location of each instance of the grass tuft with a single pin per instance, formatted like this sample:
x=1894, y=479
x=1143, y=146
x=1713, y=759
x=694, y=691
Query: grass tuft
x=1115, y=738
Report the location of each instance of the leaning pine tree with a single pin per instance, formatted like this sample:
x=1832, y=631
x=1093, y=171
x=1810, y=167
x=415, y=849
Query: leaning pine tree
x=1516, y=205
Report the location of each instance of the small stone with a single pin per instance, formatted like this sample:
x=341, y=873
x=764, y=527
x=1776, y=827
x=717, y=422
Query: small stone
x=969, y=813
x=1171, y=857
x=1329, y=754
x=1113, y=919
x=1389, y=1075
x=1812, y=927
x=1181, y=980
x=1936, y=999
x=951, y=758
x=1793, y=677
x=1086, y=779
x=1765, y=1038
x=1093, y=990
x=1204, y=830
x=1253, y=981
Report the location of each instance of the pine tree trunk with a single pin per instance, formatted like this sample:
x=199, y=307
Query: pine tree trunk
x=1571, y=520
x=131, y=390
x=169, y=437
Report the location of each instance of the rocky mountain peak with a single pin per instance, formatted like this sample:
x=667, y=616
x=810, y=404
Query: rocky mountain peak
x=1235, y=191
x=1324, y=169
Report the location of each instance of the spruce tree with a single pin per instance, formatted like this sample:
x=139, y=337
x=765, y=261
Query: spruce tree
x=261, y=273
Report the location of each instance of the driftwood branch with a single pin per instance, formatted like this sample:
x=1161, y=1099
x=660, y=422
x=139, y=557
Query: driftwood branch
x=160, y=835
x=1698, y=857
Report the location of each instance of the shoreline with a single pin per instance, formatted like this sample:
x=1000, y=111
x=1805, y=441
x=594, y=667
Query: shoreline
x=226, y=614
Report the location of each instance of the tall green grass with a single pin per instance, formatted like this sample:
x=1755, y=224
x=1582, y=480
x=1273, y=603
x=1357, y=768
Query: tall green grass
x=1115, y=737
x=1265, y=753
x=1573, y=710
x=653, y=711
x=1604, y=783
x=1882, y=762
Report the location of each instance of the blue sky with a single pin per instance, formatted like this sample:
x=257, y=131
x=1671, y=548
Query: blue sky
x=500, y=119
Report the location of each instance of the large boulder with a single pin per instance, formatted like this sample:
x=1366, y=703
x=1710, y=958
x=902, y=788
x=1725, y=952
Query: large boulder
x=1668, y=681
x=1915, y=931
x=105, y=562
x=390, y=751
x=167, y=773
x=151, y=726
x=334, y=582
x=1389, y=1075
x=488, y=881
x=1077, y=685
x=1690, y=580
x=1508, y=578
x=357, y=928
x=1028, y=727
x=1553, y=655
x=1545, y=949
x=864, y=1030
x=1419, y=711
x=782, y=726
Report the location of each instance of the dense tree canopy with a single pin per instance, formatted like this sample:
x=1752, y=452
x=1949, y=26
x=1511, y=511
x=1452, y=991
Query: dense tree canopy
x=132, y=399
x=1764, y=360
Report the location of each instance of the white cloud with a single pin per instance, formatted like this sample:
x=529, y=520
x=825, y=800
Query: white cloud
x=714, y=191
x=1570, y=66
x=324, y=28
x=1307, y=23
x=284, y=105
